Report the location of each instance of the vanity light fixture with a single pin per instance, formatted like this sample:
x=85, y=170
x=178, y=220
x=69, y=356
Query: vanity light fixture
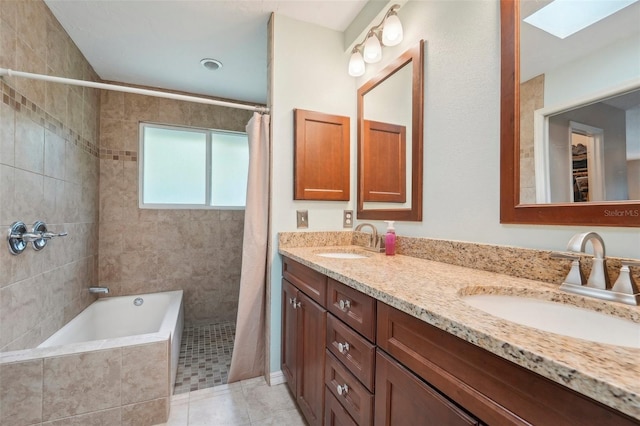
x=370, y=49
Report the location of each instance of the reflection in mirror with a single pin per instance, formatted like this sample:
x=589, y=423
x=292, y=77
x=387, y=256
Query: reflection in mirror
x=588, y=153
x=558, y=93
x=390, y=117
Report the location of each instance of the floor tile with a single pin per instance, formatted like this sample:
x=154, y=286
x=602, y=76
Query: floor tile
x=205, y=356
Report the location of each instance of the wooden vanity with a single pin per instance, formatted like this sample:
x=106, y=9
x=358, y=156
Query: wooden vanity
x=352, y=359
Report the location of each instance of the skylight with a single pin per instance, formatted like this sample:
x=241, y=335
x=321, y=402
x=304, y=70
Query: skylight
x=563, y=18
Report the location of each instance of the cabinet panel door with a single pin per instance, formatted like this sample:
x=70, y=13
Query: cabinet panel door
x=322, y=164
x=355, y=309
x=312, y=328
x=353, y=396
x=334, y=413
x=403, y=399
x=289, y=334
x=311, y=282
x=353, y=350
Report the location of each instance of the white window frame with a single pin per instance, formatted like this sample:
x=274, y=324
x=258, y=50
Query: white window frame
x=208, y=184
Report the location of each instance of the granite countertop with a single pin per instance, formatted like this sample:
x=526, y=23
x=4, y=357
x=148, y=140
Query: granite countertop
x=431, y=291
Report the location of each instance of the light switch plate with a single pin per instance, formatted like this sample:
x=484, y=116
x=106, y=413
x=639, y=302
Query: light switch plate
x=347, y=219
x=303, y=218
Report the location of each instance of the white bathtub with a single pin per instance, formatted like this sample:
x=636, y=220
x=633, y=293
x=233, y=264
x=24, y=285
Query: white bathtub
x=115, y=317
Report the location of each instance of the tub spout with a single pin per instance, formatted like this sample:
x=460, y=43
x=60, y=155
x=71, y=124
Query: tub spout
x=96, y=290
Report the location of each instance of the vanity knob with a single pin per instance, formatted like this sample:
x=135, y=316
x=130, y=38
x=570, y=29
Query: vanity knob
x=344, y=304
x=297, y=305
x=291, y=300
x=343, y=390
x=343, y=348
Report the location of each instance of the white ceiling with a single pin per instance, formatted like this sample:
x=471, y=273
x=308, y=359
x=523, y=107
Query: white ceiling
x=160, y=43
x=541, y=52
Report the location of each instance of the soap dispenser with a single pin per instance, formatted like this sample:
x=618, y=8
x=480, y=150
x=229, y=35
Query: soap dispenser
x=390, y=239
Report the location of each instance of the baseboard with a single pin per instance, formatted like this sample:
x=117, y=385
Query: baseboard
x=276, y=378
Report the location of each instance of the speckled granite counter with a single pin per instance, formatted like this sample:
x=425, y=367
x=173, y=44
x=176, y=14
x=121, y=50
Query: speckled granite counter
x=431, y=292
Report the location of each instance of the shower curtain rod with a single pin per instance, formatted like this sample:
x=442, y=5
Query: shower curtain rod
x=156, y=93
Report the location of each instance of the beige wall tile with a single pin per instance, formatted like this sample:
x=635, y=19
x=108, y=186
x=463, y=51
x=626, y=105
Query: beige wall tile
x=145, y=373
x=145, y=413
x=7, y=128
x=7, y=197
x=29, y=145
x=21, y=393
x=81, y=383
x=54, y=155
x=99, y=418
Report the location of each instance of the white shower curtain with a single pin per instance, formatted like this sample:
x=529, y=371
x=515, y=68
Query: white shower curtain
x=248, y=356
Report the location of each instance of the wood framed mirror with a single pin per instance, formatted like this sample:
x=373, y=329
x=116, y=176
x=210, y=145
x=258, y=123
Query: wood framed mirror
x=390, y=129
x=515, y=205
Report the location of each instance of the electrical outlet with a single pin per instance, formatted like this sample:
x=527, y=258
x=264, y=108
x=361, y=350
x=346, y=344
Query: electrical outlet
x=347, y=219
x=303, y=218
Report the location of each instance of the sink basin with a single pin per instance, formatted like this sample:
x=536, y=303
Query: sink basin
x=559, y=318
x=343, y=255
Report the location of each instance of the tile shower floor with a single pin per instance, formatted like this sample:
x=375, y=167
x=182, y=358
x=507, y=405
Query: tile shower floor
x=205, y=356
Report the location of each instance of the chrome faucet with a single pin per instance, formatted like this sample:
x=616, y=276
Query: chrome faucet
x=375, y=242
x=96, y=290
x=597, y=285
x=598, y=278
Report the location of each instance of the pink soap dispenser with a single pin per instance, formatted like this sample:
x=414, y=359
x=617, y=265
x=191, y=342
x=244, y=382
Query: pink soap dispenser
x=390, y=239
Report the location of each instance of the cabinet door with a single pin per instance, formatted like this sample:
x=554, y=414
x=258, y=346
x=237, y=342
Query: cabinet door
x=289, y=334
x=403, y=399
x=334, y=413
x=312, y=328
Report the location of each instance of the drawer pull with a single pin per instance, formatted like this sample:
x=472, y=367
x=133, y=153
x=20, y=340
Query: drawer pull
x=343, y=390
x=343, y=348
x=294, y=302
x=344, y=304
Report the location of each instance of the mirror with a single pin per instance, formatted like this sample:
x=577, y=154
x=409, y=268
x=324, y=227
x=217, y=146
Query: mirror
x=390, y=128
x=547, y=94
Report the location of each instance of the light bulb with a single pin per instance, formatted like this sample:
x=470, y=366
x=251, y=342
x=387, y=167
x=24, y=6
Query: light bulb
x=372, y=50
x=356, y=64
x=392, y=31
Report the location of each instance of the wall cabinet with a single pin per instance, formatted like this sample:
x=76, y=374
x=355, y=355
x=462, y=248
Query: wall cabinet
x=303, y=339
x=322, y=164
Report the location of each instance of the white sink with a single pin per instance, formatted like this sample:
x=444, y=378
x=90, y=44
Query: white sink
x=559, y=318
x=343, y=255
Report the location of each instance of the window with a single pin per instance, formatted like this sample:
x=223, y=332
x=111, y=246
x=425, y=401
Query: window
x=188, y=168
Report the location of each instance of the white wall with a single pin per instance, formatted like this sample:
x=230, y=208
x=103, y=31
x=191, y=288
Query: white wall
x=461, y=138
x=309, y=72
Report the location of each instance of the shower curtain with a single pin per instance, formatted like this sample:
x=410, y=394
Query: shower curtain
x=248, y=356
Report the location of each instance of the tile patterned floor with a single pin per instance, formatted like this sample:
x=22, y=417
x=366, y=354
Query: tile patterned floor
x=205, y=356
x=248, y=403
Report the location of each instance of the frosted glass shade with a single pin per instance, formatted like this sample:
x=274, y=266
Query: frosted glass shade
x=392, y=31
x=372, y=50
x=356, y=64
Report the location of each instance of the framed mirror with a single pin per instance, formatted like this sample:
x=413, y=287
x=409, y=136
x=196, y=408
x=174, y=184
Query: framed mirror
x=562, y=160
x=390, y=129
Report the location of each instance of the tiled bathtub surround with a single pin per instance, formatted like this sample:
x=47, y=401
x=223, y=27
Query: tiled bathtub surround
x=118, y=382
x=143, y=250
x=518, y=262
x=48, y=171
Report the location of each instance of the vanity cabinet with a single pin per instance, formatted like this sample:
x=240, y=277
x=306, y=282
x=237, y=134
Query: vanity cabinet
x=352, y=360
x=401, y=398
x=304, y=320
x=495, y=390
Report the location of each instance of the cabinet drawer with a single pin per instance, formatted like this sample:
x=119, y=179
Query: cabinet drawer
x=355, y=309
x=353, y=350
x=355, y=398
x=334, y=413
x=402, y=399
x=310, y=282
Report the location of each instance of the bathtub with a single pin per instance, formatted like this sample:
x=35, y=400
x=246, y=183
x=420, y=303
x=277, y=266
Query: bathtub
x=124, y=316
x=115, y=362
